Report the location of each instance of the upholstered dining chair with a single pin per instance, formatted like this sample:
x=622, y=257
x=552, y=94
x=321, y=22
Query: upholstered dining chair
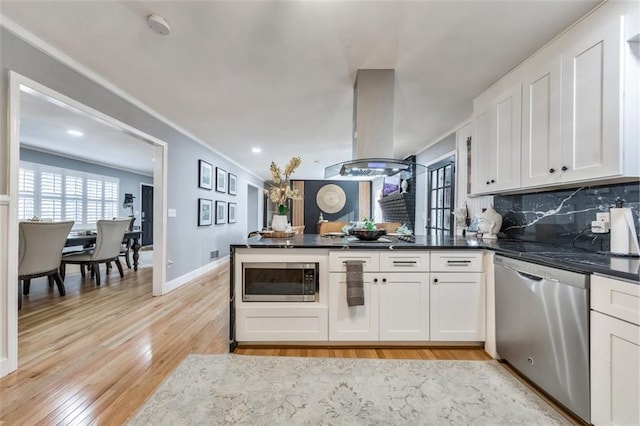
x=106, y=249
x=125, y=248
x=39, y=252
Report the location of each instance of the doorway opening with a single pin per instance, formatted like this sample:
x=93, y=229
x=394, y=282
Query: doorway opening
x=19, y=88
x=253, y=209
x=146, y=215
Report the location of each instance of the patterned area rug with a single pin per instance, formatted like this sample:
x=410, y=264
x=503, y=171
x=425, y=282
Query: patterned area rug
x=260, y=390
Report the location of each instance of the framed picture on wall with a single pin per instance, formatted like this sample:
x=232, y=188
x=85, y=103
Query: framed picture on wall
x=205, y=175
x=233, y=182
x=221, y=180
x=204, y=212
x=221, y=212
x=232, y=212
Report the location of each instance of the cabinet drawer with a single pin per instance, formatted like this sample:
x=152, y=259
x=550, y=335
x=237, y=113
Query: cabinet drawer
x=406, y=261
x=456, y=261
x=337, y=260
x=278, y=323
x=616, y=298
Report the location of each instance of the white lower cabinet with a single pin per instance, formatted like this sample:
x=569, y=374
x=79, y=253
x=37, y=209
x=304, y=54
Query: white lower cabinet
x=615, y=352
x=457, y=306
x=396, y=308
x=353, y=322
x=396, y=297
x=615, y=371
x=457, y=296
x=281, y=322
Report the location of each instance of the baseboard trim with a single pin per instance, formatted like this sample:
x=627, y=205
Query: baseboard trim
x=196, y=273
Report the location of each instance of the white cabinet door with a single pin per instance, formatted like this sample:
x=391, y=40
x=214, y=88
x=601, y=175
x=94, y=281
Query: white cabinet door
x=506, y=148
x=591, y=104
x=615, y=371
x=483, y=163
x=541, y=101
x=404, y=306
x=353, y=322
x=496, y=157
x=457, y=306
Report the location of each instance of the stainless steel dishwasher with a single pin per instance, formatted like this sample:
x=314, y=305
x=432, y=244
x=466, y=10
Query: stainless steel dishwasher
x=542, y=328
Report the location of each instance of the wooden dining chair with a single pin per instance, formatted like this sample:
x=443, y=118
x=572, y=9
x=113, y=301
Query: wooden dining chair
x=390, y=227
x=39, y=252
x=324, y=227
x=107, y=248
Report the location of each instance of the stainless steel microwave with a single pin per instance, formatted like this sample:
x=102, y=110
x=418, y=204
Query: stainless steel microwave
x=279, y=282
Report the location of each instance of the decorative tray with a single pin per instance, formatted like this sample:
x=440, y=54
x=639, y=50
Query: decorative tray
x=278, y=234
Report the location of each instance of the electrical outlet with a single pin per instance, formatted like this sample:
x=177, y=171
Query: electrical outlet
x=603, y=217
x=214, y=254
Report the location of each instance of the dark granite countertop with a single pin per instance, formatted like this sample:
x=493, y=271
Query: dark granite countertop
x=568, y=258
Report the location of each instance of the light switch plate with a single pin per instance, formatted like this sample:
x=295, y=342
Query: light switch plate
x=172, y=212
x=603, y=217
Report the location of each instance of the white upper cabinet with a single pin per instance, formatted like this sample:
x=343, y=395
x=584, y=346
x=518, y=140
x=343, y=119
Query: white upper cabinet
x=541, y=105
x=579, y=108
x=591, y=104
x=497, y=142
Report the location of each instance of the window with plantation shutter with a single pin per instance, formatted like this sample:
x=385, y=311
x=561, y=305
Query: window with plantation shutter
x=74, y=198
x=26, y=189
x=110, y=199
x=62, y=194
x=50, y=195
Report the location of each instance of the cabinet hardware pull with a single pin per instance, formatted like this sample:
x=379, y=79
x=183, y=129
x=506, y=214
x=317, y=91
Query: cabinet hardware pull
x=435, y=281
x=384, y=280
x=493, y=181
x=344, y=262
x=565, y=168
x=465, y=262
x=488, y=182
x=404, y=262
x=375, y=280
x=552, y=170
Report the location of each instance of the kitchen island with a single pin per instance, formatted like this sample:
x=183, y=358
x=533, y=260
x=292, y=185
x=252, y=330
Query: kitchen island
x=569, y=258
x=416, y=309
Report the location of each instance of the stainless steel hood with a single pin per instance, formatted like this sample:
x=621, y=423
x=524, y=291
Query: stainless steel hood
x=372, y=153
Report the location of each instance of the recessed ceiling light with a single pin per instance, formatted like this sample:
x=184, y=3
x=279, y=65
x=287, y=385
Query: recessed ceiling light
x=74, y=132
x=256, y=150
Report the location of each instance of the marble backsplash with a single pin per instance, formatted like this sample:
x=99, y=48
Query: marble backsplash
x=564, y=217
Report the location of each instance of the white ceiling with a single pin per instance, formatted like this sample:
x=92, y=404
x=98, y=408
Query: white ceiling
x=279, y=75
x=44, y=124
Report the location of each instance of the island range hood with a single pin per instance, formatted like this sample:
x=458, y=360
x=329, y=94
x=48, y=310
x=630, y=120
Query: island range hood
x=372, y=153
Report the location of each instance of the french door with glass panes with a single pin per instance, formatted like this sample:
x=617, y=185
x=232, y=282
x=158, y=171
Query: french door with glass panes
x=440, y=195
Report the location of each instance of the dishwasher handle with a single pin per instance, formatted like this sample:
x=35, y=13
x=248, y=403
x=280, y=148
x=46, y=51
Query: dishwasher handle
x=524, y=274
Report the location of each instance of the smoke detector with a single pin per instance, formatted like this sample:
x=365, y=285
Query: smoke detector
x=158, y=24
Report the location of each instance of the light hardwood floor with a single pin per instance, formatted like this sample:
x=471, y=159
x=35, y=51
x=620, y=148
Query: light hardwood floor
x=98, y=353
x=95, y=355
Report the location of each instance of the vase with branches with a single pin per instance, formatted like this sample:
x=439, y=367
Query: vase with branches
x=280, y=191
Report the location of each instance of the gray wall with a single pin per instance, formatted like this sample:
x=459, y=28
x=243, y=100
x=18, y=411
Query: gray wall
x=188, y=246
x=129, y=182
x=427, y=157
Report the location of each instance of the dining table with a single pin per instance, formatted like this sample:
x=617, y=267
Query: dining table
x=88, y=239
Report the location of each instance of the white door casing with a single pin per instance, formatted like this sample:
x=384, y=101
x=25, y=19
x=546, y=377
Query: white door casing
x=9, y=211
